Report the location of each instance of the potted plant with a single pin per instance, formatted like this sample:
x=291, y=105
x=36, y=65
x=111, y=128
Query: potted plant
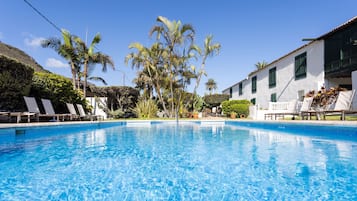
x=195, y=114
x=233, y=115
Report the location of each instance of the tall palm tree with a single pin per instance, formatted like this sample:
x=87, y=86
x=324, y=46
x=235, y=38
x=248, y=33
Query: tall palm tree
x=261, y=65
x=211, y=85
x=174, y=35
x=89, y=58
x=209, y=51
x=67, y=50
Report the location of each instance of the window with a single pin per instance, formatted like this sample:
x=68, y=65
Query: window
x=273, y=97
x=301, y=95
x=272, y=77
x=240, y=88
x=230, y=92
x=300, y=66
x=252, y=101
x=254, y=84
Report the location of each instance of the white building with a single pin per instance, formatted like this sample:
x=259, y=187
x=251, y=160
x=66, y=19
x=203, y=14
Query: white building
x=329, y=60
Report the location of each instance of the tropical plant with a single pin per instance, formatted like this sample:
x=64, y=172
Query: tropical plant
x=146, y=109
x=209, y=51
x=67, y=50
x=89, y=58
x=173, y=35
x=211, y=85
x=152, y=74
x=261, y=65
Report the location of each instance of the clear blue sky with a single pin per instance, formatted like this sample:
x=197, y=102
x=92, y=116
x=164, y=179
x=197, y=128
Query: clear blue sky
x=249, y=31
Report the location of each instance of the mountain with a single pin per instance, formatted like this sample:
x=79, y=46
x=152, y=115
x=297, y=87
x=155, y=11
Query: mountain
x=21, y=56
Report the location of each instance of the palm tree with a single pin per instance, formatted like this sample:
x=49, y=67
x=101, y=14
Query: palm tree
x=209, y=51
x=211, y=85
x=89, y=58
x=151, y=61
x=67, y=50
x=261, y=65
x=174, y=35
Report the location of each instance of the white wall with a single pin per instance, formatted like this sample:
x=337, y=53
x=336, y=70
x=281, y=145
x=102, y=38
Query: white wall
x=286, y=86
x=98, y=103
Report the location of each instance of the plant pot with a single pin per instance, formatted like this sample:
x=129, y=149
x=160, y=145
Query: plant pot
x=195, y=115
x=242, y=116
x=233, y=116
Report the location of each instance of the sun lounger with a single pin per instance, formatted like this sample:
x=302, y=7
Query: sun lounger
x=83, y=115
x=342, y=106
x=72, y=111
x=32, y=107
x=17, y=115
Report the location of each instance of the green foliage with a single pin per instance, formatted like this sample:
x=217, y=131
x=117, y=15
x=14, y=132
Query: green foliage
x=241, y=107
x=122, y=97
x=15, y=82
x=215, y=100
x=116, y=114
x=146, y=109
x=56, y=88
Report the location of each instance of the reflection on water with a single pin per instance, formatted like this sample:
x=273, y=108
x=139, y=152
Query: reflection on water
x=170, y=162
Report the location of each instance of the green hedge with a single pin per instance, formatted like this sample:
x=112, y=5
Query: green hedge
x=56, y=88
x=215, y=100
x=15, y=82
x=241, y=107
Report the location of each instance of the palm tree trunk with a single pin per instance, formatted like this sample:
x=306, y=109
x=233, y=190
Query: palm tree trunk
x=85, y=72
x=73, y=76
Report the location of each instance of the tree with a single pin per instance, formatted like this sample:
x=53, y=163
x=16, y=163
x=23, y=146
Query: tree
x=152, y=74
x=261, y=65
x=209, y=51
x=89, y=58
x=174, y=35
x=211, y=85
x=67, y=50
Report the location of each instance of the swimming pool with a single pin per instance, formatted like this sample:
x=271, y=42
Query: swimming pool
x=192, y=161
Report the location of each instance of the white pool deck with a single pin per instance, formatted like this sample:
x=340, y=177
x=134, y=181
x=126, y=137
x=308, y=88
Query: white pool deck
x=203, y=122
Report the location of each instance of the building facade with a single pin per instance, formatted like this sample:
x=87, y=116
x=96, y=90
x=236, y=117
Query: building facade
x=329, y=60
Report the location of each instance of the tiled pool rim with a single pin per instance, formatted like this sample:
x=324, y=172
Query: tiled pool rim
x=349, y=126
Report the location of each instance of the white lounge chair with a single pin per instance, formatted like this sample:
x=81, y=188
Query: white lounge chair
x=83, y=115
x=343, y=105
x=72, y=111
x=47, y=105
x=32, y=107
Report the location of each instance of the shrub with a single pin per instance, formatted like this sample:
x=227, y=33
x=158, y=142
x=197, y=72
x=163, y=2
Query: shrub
x=146, y=109
x=240, y=109
x=215, y=100
x=56, y=88
x=238, y=106
x=15, y=82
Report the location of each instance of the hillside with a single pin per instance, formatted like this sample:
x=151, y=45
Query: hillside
x=21, y=56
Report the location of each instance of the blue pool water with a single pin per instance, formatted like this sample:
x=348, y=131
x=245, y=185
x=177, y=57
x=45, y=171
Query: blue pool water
x=192, y=161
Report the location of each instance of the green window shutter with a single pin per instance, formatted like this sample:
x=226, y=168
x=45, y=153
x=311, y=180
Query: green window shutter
x=300, y=66
x=254, y=84
x=272, y=77
x=230, y=92
x=240, y=88
x=273, y=97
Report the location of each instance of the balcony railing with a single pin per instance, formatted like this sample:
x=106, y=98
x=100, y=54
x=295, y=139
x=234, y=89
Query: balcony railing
x=341, y=64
